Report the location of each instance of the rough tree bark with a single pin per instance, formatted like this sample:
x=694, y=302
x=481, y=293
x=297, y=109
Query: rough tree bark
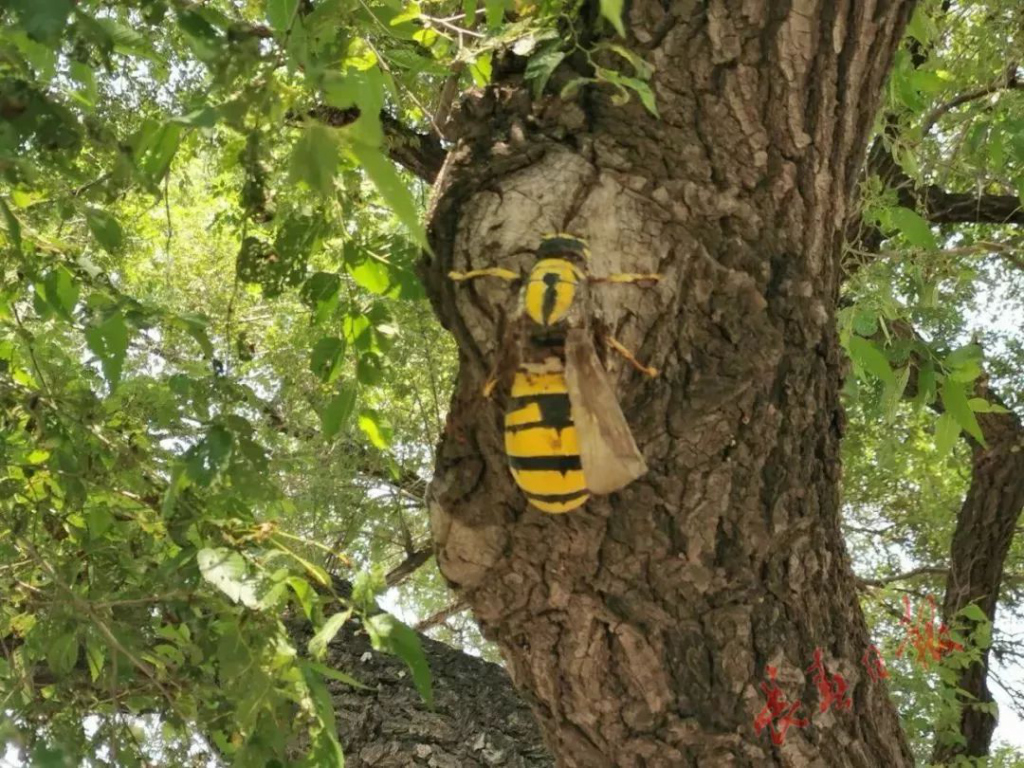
x=478, y=720
x=984, y=532
x=641, y=626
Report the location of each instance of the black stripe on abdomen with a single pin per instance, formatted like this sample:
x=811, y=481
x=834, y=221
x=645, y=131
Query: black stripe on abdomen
x=555, y=410
x=555, y=463
x=561, y=498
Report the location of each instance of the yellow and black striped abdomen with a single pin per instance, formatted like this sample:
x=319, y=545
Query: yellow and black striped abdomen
x=540, y=438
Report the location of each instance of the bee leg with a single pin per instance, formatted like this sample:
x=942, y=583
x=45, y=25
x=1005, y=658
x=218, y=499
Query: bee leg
x=504, y=274
x=645, y=280
x=618, y=347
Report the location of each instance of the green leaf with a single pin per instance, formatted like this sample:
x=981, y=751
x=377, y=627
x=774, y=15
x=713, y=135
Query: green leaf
x=964, y=363
x=915, y=229
x=968, y=353
x=325, y=751
x=226, y=570
x=973, y=612
x=327, y=357
x=336, y=674
x=921, y=26
x=338, y=411
x=318, y=644
x=109, y=342
x=494, y=11
x=480, y=69
x=99, y=520
x=61, y=292
x=954, y=400
x=315, y=157
x=946, y=432
x=158, y=149
x=62, y=653
x=384, y=176
x=389, y=634
x=893, y=395
x=981, y=405
x=321, y=294
x=541, y=66
x=104, y=228
x=867, y=355
x=925, y=385
x=371, y=274
x=411, y=13
x=643, y=90
x=43, y=20
x=303, y=593
x=95, y=655
x=13, y=226
x=378, y=434
x=207, y=457
x=280, y=13
x=195, y=325
x=612, y=10
x=366, y=586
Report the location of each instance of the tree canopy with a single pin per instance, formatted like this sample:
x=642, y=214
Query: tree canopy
x=221, y=383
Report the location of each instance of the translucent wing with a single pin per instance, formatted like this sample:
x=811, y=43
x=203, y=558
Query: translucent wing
x=608, y=452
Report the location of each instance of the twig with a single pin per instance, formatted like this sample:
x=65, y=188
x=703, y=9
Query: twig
x=1008, y=81
x=926, y=570
x=442, y=616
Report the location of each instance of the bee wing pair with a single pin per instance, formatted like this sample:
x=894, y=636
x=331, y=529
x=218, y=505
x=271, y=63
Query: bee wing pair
x=608, y=453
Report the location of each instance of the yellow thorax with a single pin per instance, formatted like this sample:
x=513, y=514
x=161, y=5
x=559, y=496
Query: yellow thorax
x=554, y=280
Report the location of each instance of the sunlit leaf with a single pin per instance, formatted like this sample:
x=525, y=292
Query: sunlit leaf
x=913, y=227
x=612, y=11
x=378, y=435
x=954, y=400
x=319, y=642
x=226, y=570
x=867, y=355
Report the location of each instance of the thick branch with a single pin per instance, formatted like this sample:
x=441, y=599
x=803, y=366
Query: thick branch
x=984, y=531
x=985, y=528
x=419, y=153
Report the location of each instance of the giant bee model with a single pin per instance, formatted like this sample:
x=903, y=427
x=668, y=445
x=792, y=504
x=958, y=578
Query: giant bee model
x=565, y=435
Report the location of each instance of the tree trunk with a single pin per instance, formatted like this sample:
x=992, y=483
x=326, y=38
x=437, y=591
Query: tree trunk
x=478, y=720
x=641, y=626
x=984, y=532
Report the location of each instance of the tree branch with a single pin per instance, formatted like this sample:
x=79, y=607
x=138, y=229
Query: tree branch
x=442, y=616
x=408, y=567
x=926, y=570
x=420, y=153
x=1007, y=81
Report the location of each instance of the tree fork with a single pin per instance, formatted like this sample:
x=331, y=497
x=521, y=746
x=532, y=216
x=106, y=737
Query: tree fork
x=641, y=626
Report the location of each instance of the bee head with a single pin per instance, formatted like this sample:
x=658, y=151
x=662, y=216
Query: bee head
x=562, y=246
